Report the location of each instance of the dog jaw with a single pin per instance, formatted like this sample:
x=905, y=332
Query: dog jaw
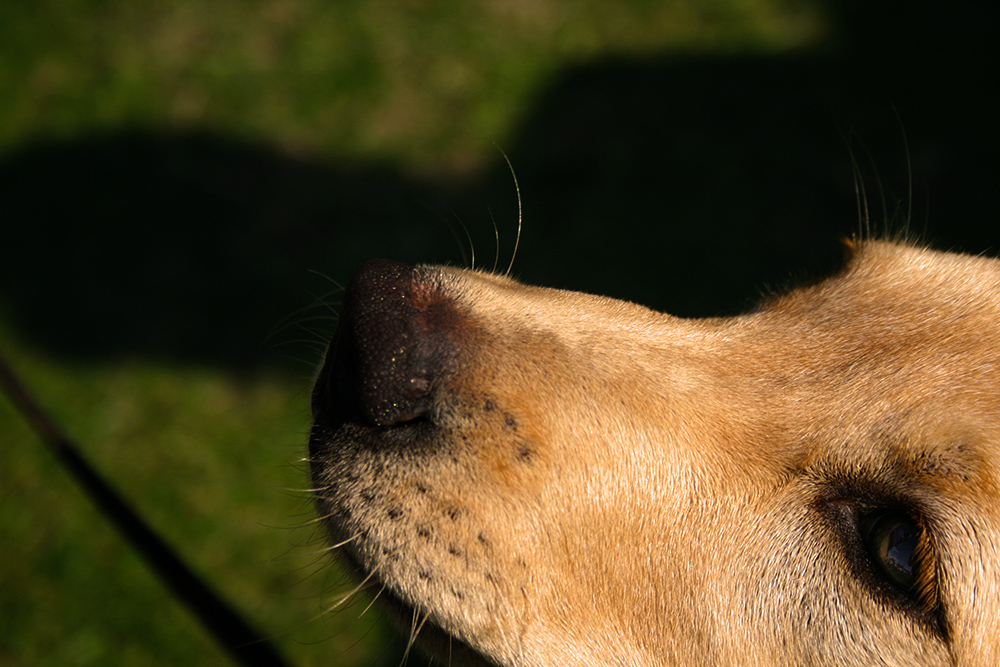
x=552, y=478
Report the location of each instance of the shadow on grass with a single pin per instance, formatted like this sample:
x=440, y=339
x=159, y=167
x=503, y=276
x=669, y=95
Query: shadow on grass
x=685, y=184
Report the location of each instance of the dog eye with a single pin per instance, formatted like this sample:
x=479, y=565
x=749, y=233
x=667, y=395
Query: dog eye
x=893, y=541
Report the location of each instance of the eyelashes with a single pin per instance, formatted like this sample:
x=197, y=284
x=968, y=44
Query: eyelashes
x=900, y=554
x=889, y=549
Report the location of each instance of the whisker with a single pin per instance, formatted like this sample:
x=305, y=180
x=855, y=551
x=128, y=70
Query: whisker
x=345, y=542
x=472, y=246
x=351, y=593
x=415, y=628
x=520, y=218
x=908, y=221
x=496, y=249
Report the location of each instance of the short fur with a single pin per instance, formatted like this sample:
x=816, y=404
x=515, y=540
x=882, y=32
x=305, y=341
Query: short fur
x=554, y=479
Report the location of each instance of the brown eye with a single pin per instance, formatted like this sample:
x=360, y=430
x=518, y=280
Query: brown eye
x=893, y=540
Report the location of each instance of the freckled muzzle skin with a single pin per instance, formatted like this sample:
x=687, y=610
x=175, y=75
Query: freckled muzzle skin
x=547, y=478
x=391, y=446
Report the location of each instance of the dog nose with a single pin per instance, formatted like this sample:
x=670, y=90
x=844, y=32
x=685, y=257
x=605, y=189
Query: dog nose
x=395, y=339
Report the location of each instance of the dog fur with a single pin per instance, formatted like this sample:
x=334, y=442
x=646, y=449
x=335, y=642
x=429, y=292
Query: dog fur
x=541, y=478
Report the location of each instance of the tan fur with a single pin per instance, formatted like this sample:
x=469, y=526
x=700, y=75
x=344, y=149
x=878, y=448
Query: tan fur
x=587, y=482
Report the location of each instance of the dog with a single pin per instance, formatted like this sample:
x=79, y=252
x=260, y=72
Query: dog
x=532, y=477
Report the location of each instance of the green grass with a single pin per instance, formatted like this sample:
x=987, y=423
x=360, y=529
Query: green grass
x=212, y=458
x=430, y=85
x=214, y=464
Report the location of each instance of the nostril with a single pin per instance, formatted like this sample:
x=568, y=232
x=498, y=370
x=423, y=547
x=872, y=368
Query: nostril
x=395, y=339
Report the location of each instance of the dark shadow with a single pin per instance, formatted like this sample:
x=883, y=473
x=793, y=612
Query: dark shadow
x=686, y=184
x=691, y=184
x=191, y=246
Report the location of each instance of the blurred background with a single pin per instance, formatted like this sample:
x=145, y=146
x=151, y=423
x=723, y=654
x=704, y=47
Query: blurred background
x=185, y=184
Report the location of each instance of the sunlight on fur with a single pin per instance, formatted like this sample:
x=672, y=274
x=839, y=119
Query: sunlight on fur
x=538, y=478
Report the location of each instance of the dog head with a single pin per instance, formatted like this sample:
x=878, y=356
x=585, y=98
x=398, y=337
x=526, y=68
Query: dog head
x=545, y=478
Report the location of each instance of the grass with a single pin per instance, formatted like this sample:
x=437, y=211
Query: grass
x=211, y=456
x=186, y=446
x=429, y=85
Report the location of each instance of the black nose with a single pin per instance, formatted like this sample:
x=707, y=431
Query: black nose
x=397, y=337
